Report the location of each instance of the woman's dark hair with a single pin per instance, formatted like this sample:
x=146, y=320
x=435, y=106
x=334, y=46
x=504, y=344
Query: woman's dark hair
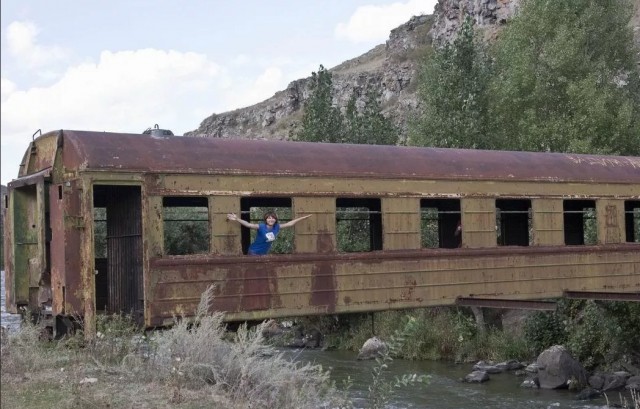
x=272, y=214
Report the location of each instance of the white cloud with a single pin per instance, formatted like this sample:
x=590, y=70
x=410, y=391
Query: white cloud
x=22, y=44
x=241, y=59
x=268, y=83
x=373, y=23
x=125, y=91
x=7, y=87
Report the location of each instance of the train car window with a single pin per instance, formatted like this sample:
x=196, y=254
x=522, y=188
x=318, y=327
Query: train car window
x=632, y=220
x=358, y=225
x=186, y=225
x=252, y=209
x=440, y=223
x=513, y=218
x=580, y=223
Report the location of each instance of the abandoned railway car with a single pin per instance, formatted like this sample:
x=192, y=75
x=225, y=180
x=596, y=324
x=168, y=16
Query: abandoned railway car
x=109, y=222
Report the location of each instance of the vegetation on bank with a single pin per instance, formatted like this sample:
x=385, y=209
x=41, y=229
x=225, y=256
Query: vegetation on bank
x=191, y=365
x=600, y=334
x=194, y=364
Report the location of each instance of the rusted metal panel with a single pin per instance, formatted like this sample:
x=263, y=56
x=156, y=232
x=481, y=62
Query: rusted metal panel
x=547, y=222
x=9, y=251
x=153, y=239
x=31, y=179
x=278, y=286
x=318, y=233
x=224, y=239
x=611, y=215
x=27, y=256
x=509, y=304
x=243, y=185
x=57, y=246
x=401, y=221
x=117, y=152
x=478, y=222
x=87, y=270
x=610, y=296
x=40, y=155
x=73, y=226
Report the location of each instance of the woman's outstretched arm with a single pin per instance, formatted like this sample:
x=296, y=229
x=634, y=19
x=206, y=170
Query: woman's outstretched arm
x=234, y=218
x=294, y=221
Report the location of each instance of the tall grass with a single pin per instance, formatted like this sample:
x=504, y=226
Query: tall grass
x=246, y=371
x=192, y=364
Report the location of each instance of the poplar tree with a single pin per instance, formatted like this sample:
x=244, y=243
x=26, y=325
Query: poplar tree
x=567, y=80
x=369, y=126
x=321, y=120
x=452, y=88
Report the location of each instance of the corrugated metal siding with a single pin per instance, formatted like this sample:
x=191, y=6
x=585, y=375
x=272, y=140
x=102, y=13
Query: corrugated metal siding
x=124, y=249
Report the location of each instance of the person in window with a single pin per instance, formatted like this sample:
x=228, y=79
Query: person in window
x=458, y=234
x=267, y=231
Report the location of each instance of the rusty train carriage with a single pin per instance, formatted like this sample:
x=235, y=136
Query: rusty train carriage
x=51, y=261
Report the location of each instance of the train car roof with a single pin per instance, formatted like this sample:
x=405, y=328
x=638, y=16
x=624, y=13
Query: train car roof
x=200, y=155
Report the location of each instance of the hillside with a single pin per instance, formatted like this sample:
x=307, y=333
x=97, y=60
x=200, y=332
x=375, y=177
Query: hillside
x=389, y=68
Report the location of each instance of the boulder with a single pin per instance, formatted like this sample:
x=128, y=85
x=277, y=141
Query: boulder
x=487, y=367
x=476, y=377
x=614, y=382
x=556, y=368
x=596, y=381
x=511, y=365
x=272, y=329
x=633, y=383
x=588, y=393
x=313, y=339
x=530, y=382
x=372, y=348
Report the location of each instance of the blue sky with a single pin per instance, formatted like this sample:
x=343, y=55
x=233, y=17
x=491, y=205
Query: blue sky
x=126, y=65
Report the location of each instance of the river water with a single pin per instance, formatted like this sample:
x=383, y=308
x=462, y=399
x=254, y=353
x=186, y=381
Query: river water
x=10, y=321
x=444, y=390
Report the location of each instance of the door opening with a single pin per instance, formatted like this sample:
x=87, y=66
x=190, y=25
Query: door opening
x=118, y=250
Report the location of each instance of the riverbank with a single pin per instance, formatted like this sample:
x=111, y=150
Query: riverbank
x=116, y=373
x=186, y=366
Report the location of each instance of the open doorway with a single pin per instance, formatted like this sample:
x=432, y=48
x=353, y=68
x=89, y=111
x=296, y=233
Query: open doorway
x=118, y=250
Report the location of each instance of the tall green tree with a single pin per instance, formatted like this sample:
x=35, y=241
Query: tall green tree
x=566, y=79
x=453, y=83
x=368, y=126
x=321, y=120
x=324, y=122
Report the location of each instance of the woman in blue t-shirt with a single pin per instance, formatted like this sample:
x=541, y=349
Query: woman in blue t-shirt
x=267, y=231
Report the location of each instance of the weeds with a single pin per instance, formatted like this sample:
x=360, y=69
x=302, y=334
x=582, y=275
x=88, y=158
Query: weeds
x=624, y=403
x=381, y=390
x=191, y=364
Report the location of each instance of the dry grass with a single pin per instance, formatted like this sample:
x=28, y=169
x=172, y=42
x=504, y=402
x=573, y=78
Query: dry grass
x=190, y=365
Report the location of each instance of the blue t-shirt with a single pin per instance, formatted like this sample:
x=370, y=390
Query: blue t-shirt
x=265, y=237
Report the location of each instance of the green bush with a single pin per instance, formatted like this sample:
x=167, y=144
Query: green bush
x=543, y=329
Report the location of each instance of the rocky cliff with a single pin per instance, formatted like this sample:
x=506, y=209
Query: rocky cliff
x=389, y=68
